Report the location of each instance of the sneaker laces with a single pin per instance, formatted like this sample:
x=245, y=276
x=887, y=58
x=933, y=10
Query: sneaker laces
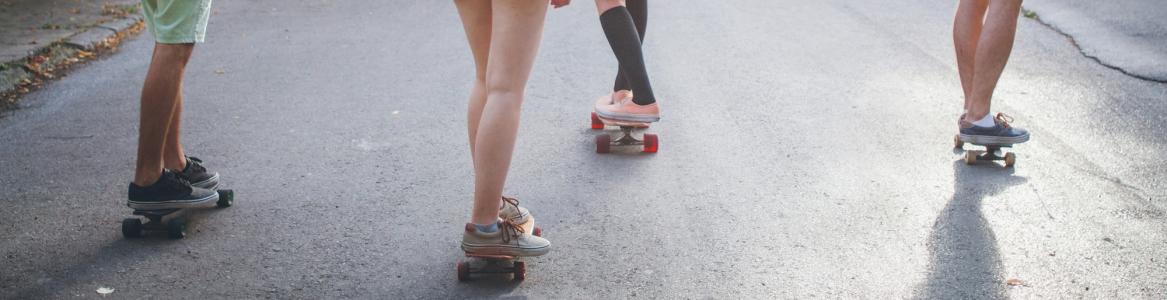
x=177, y=182
x=195, y=164
x=511, y=201
x=1003, y=119
x=510, y=230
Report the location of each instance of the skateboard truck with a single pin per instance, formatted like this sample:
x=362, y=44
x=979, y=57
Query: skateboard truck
x=604, y=142
x=156, y=219
x=991, y=153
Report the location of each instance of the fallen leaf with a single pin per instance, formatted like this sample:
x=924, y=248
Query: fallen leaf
x=1015, y=282
x=220, y=71
x=104, y=291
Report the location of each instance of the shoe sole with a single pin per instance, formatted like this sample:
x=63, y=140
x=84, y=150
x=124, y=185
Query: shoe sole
x=210, y=184
x=495, y=249
x=627, y=117
x=989, y=140
x=173, y=204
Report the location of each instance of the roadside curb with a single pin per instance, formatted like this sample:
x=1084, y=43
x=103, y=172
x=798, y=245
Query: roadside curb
x=24, y=75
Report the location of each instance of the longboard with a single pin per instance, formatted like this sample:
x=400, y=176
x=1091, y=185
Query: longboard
x=172, y=220
x=990, y=153
x=605, y=142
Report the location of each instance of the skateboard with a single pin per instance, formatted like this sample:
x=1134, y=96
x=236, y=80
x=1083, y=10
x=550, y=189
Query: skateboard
x=604, y=142
x=497, y=264
x=991, y=153
x=171, y=220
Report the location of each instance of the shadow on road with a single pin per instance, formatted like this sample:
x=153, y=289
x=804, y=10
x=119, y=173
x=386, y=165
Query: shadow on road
x=112, y=260
x=965, y=262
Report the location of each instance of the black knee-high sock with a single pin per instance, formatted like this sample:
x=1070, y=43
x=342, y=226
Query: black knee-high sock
x=625, y=42
x=639, y=11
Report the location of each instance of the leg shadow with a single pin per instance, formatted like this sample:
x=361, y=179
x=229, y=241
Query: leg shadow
x=965, y=262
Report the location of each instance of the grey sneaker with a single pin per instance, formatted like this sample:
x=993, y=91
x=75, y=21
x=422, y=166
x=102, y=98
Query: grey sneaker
x=509, y=240
x=198, y=175
x=170, y=191
x=1000, y=134
x=511, y=210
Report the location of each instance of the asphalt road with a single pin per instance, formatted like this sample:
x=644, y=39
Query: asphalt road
x=806, y=152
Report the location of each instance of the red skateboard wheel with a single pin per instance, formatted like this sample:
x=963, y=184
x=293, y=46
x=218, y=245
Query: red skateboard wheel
x=520, y=270
x=463, y=271
x=650, y=143
x=596, y=122
x=603, y=143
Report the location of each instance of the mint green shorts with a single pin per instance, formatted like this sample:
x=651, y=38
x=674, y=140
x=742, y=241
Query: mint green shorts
x=177, y=21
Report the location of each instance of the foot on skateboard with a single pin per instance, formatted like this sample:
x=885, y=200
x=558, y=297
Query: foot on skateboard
x=496, y=264
x=605, y=142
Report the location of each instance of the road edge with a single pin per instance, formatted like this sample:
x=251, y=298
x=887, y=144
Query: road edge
x=22, y=76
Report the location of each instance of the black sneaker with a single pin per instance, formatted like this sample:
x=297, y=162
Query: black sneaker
x=170, y=191
x=1000, y=134
x=198, y=175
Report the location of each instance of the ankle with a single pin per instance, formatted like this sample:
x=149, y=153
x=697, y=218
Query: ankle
x=488, y=227
x=177, y=164
x=146, y=178
x=985, y=121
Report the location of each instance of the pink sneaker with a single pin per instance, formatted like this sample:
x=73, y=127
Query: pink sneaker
x=629, y=111
x=614, y=97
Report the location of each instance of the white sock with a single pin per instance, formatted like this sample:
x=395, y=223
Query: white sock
x=987, y=121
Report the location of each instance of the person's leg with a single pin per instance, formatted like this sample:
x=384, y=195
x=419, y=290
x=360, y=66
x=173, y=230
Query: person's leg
x=993, y=49
x=476, y=20
x=159, y=104
x=639, y=11
x=992, y=53
x=155, y=187
x=516, y=26
x=966, y=30
x=176, y=26
x=623, y=37
x=173, y=157
x=475, y=15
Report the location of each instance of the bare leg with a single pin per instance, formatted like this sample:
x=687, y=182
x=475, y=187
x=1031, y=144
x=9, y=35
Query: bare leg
x=992, y=53
x=475, y=16
x=966, y=30
x=159, y=98
x=516, y=28
x=173, y=157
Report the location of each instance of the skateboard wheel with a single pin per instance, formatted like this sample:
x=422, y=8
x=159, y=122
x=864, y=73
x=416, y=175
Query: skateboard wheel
x=226, y=198
x=596, y=122
x=1010, y=159
x=463, y=271
x=132, y=227
x=971, y=157
x=537, y=232
x=650, y=143
x=603, y=143
x=520, y=270
x=957, y=141
x=176, y=229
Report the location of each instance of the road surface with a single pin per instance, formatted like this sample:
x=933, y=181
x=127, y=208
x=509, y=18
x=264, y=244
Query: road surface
x=805, y=153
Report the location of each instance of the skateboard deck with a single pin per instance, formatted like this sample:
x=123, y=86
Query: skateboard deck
x=171, y=220
x=990, y=153
x=497, y=264
x=605, y=142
